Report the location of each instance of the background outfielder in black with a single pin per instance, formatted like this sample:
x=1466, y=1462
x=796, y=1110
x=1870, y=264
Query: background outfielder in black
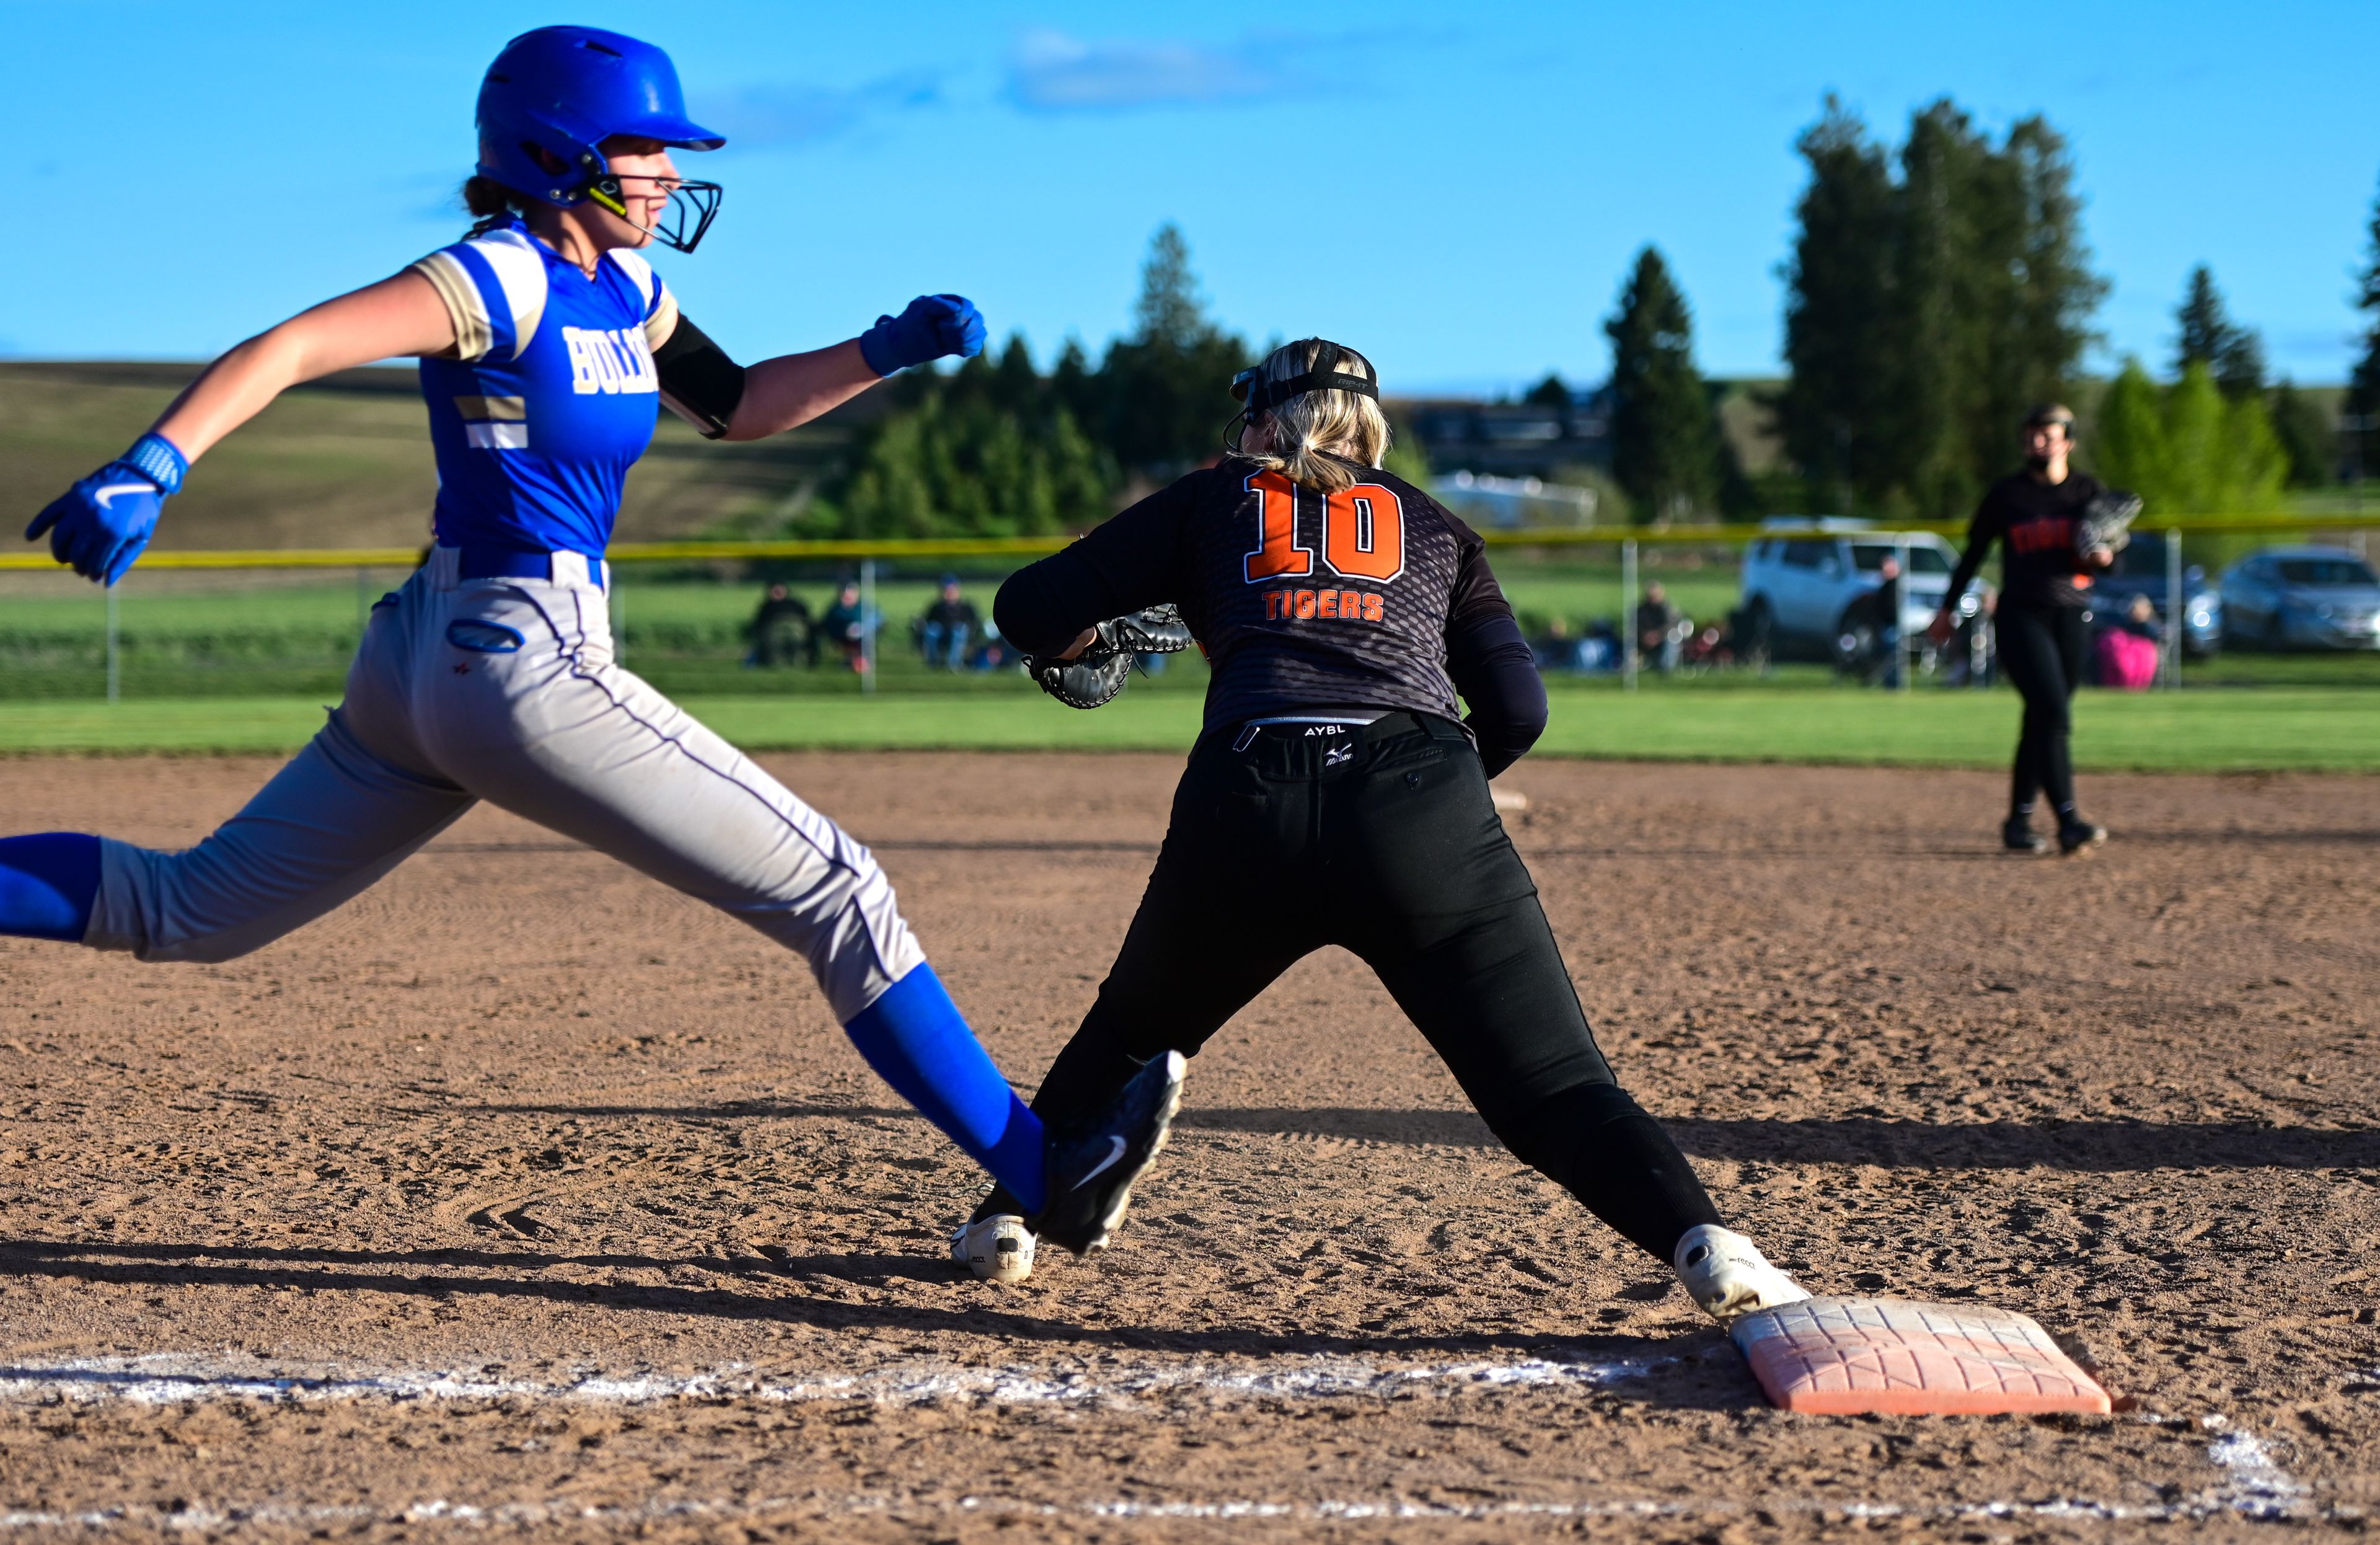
x=1333, y=800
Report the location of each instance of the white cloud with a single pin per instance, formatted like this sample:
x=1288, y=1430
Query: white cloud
x=793, y=113
x=1050, y=72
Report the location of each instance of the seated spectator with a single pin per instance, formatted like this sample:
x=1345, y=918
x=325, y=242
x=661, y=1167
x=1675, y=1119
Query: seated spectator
x=948, y=623
x=1555, y=649
x=991, y=651
x=847, y=625
x=1659, y=636
x=782, y=630
x=2126, y=655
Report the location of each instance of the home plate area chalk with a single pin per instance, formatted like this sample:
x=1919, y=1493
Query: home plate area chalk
x=1846, y=1356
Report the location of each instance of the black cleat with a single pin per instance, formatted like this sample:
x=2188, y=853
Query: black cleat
x=2018, y=836
x=2079, y=836
x=1092, y=1165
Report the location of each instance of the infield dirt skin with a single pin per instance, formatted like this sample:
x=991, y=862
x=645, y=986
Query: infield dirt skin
x=525, y=1195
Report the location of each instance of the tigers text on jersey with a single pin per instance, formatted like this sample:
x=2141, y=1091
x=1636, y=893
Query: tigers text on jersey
x=1300, y=599
x=552, y=395
x=2034, y=522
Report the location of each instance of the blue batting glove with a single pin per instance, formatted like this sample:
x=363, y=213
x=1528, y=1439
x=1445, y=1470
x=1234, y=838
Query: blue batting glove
x=102, y=523
x=932, y=326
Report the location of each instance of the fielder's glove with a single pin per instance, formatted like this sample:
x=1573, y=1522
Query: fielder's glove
x=1096, y=676
x=2107, y=522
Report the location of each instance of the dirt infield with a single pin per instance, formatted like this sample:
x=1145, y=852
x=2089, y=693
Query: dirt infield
x=524, y=1194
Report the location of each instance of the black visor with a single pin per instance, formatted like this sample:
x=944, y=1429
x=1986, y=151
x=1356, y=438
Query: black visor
x=1257, y=394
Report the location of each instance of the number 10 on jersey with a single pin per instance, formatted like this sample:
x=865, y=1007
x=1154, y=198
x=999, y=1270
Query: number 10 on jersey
x=1363, y=532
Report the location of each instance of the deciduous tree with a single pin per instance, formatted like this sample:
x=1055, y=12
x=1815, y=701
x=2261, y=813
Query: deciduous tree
x=2187, y=449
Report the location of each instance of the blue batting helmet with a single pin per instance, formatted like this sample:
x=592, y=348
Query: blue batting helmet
x=554, y=96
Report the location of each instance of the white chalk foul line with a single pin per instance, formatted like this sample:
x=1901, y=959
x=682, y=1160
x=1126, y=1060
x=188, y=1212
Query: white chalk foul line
x=177, y=1378
x=2254, y=1486
x=442, y=1510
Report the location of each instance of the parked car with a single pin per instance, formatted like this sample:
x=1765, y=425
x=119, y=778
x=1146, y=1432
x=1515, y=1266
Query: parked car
x=1800, y=588
x=2301, y=598
x=2140, y=570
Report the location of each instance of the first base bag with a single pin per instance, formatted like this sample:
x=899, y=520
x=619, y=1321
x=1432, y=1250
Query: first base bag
x=1850, y=1356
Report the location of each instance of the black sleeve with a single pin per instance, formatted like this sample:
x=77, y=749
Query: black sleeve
x=1981, y=531
x=1491, y=665
x=700, y=383
x=1131, y=562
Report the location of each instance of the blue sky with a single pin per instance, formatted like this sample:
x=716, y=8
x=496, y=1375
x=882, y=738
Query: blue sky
x=1455, y=190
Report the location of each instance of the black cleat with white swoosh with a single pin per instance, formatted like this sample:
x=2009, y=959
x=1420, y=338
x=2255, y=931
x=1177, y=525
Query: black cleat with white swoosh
x=1092, y=1166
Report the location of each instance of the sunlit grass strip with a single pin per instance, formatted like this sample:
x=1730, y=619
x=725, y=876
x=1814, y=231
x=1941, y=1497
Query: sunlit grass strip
x=2273, y=729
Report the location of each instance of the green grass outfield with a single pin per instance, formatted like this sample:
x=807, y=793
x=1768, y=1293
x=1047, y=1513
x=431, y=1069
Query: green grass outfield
x=2270, y=729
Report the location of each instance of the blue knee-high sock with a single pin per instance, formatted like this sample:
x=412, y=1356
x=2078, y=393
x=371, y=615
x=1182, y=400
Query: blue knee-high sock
x=916, y=1041
x=47, y=883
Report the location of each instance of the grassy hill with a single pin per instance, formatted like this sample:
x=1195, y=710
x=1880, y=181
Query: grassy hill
x=345, y=461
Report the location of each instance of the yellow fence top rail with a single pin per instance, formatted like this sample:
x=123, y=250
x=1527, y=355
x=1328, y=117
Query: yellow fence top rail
x=969, y=547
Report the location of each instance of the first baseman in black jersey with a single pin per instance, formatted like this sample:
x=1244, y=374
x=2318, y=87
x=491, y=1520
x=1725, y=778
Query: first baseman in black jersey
x=1343, y=611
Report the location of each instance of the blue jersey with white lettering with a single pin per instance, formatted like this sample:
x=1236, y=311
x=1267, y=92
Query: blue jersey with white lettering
x=552, y=395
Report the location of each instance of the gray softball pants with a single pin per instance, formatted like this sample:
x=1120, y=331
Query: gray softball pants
x=506, y=690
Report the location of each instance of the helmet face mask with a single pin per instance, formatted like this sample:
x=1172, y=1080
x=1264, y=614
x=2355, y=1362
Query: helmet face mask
x=693, y=204
x=555, y=94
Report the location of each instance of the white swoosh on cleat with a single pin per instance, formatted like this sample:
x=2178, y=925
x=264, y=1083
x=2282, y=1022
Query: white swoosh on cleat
x=1097, y=1170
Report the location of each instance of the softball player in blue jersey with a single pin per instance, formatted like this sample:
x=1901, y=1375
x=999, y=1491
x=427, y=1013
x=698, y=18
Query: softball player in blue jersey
x=546, y=345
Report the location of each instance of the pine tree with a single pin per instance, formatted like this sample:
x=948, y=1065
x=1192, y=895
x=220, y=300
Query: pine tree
x=2307, y=436
x=2205, y=328
x=2235, y=355
x=1168, y=311
x=1552, y=391
x=1016, y=385
x=2363, y=387
x=1166, y=388
x=984, y=451
x=1838, y=283
x=1664, y=443
x=2050, y=291
x=1946, y=309
x=1926, y=309
x=1075, y=387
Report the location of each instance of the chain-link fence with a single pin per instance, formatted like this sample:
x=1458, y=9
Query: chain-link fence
x=1778, y=607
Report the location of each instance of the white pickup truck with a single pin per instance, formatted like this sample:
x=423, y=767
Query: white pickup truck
x=1805, y=582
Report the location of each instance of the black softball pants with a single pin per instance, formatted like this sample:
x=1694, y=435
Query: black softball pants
x=2046, y=652
x=1380, y=838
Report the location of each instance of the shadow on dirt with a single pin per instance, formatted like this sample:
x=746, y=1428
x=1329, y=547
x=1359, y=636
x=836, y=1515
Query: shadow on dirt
x=1986, y=1145
x=1981, y=1145
x=1692, y=1372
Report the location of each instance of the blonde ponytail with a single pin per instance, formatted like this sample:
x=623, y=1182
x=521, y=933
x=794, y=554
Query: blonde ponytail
x=1316, y=435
